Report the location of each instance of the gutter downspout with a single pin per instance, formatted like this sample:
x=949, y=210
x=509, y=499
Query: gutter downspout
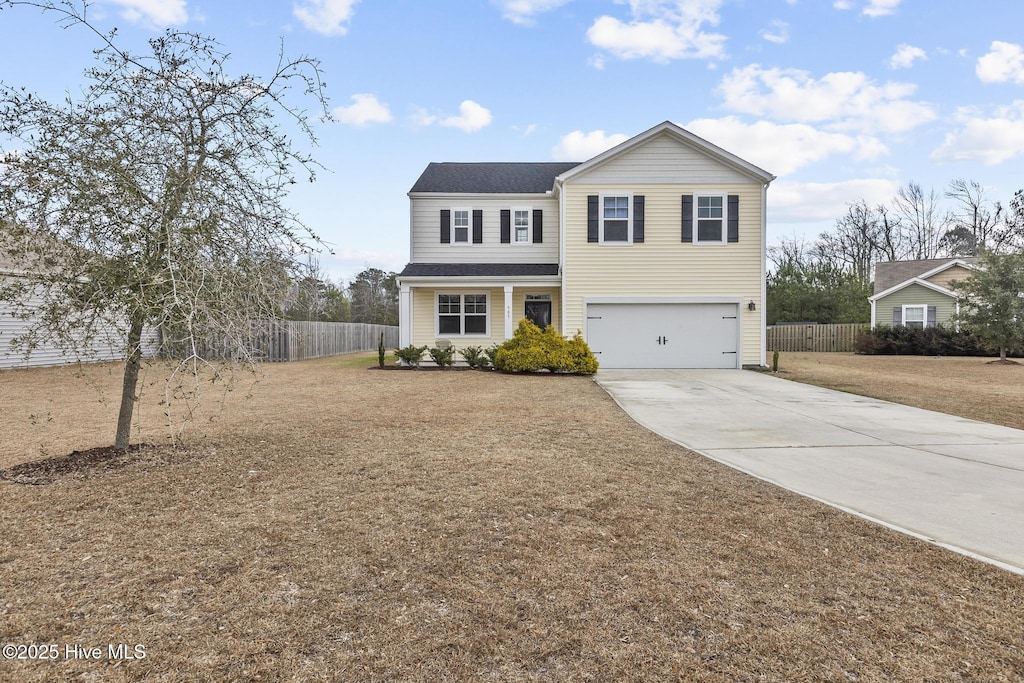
x=559, y=190
x=764, y=275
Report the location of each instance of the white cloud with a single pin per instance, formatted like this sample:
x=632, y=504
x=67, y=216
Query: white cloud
x=1004, y=62
x=661, y=30
x=796, y=202
x=880, y=8
x=842, y=100
x=783, y=149
x=873, y=8
x=524, y=12
x=327, y=17
x=526, y=131
x=365, y=109
x=580, y=146
x=905, y=56
x=155, y=13
x=990, y=139
x=472, y=117
x=777, y=32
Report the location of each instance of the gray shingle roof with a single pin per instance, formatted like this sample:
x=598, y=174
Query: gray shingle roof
x=491, y=177
x=479, y=269
x=891, y=273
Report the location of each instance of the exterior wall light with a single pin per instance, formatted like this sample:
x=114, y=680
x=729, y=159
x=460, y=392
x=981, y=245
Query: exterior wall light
x=751, y=306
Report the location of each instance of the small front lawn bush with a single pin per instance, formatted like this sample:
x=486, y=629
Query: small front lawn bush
x=474, y=357
x=930, y=341
x=410, y=355
x=443, y=356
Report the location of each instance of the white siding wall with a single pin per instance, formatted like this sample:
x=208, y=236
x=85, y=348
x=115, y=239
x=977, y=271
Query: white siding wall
x=107, y=346
x=426, y=231
x=664, y=266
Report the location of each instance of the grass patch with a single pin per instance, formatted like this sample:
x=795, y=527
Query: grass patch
x=967, y=387
x=342, y=523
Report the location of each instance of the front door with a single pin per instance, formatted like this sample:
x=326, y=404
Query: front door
x=538, y=310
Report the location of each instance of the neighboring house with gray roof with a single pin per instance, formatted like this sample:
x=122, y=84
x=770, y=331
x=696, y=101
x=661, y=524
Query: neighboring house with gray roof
x=918, y=293
x=653, y=250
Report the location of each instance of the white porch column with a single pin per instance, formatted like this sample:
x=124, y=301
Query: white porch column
x=405, y=316
x=508, y=312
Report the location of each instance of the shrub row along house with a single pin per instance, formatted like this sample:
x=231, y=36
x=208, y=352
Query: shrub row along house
x=654, y=250
x=918, y=293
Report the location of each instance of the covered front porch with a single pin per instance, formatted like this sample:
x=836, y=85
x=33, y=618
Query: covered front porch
x=475, y=309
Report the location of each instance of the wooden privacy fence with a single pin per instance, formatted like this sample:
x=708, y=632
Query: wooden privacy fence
x=814, y=337
x=297, y=340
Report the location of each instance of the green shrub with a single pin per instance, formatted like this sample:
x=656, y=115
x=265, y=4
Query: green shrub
x=930, y=341
x=380, y=351
x=474, y=356
x=443, y=357
x=775, y=361
x=531, y=349
x=410, y=355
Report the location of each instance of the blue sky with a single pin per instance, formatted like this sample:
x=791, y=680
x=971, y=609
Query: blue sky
x=841, y=99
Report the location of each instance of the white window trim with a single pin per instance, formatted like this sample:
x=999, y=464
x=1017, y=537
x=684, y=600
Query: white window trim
x=725, y=219
x=629, y=219
x=924, y=314
x=462, y=315
x=529, y=225
x=469, y=229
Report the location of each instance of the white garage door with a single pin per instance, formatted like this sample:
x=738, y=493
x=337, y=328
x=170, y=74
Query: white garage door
x=670, y=335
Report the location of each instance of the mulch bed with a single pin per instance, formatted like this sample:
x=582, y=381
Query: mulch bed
x=83, y=464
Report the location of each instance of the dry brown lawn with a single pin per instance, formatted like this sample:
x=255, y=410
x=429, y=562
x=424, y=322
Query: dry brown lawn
x=353, y=524
x=968, y=387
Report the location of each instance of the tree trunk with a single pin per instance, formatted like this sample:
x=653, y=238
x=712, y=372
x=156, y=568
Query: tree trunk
x=1002, y=354
x=131, y=380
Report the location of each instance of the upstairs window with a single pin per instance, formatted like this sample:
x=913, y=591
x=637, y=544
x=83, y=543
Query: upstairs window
x=710, y=218
x=460, y=226
x=521, y=226
x=615, y=218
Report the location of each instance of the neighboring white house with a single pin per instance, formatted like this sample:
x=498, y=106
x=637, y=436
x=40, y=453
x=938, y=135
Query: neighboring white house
x=653, y=250
x=108, y=345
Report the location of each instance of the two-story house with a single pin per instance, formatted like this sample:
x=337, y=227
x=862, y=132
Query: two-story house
x=653, y=250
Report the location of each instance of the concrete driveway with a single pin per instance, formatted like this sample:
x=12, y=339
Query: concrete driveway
x=953, y=481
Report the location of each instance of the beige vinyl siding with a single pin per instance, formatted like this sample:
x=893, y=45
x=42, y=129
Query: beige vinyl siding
x=663, y=266
x=915, y=295
x=662, y=159
x=426, y=231
x=947, y=276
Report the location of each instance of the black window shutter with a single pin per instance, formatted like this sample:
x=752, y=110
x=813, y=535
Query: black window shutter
x=734, y=218
x=446, y=226
x=638, y=218
x=538, y=226
x=687, y=217
x=478, y=226
x=592, y=220
x=506, y=226
x=931, y=316
x=897, y=316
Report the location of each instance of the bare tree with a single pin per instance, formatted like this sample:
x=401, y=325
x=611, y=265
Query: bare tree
x=860, y=238
x=924, y=222
x=157, y=200
x=975, y=220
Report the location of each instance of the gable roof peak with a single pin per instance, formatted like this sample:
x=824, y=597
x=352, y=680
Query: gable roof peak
x=683, y=136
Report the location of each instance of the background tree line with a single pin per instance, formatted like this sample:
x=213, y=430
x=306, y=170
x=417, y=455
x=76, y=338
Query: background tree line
x=828, y=279
x=371, y=297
